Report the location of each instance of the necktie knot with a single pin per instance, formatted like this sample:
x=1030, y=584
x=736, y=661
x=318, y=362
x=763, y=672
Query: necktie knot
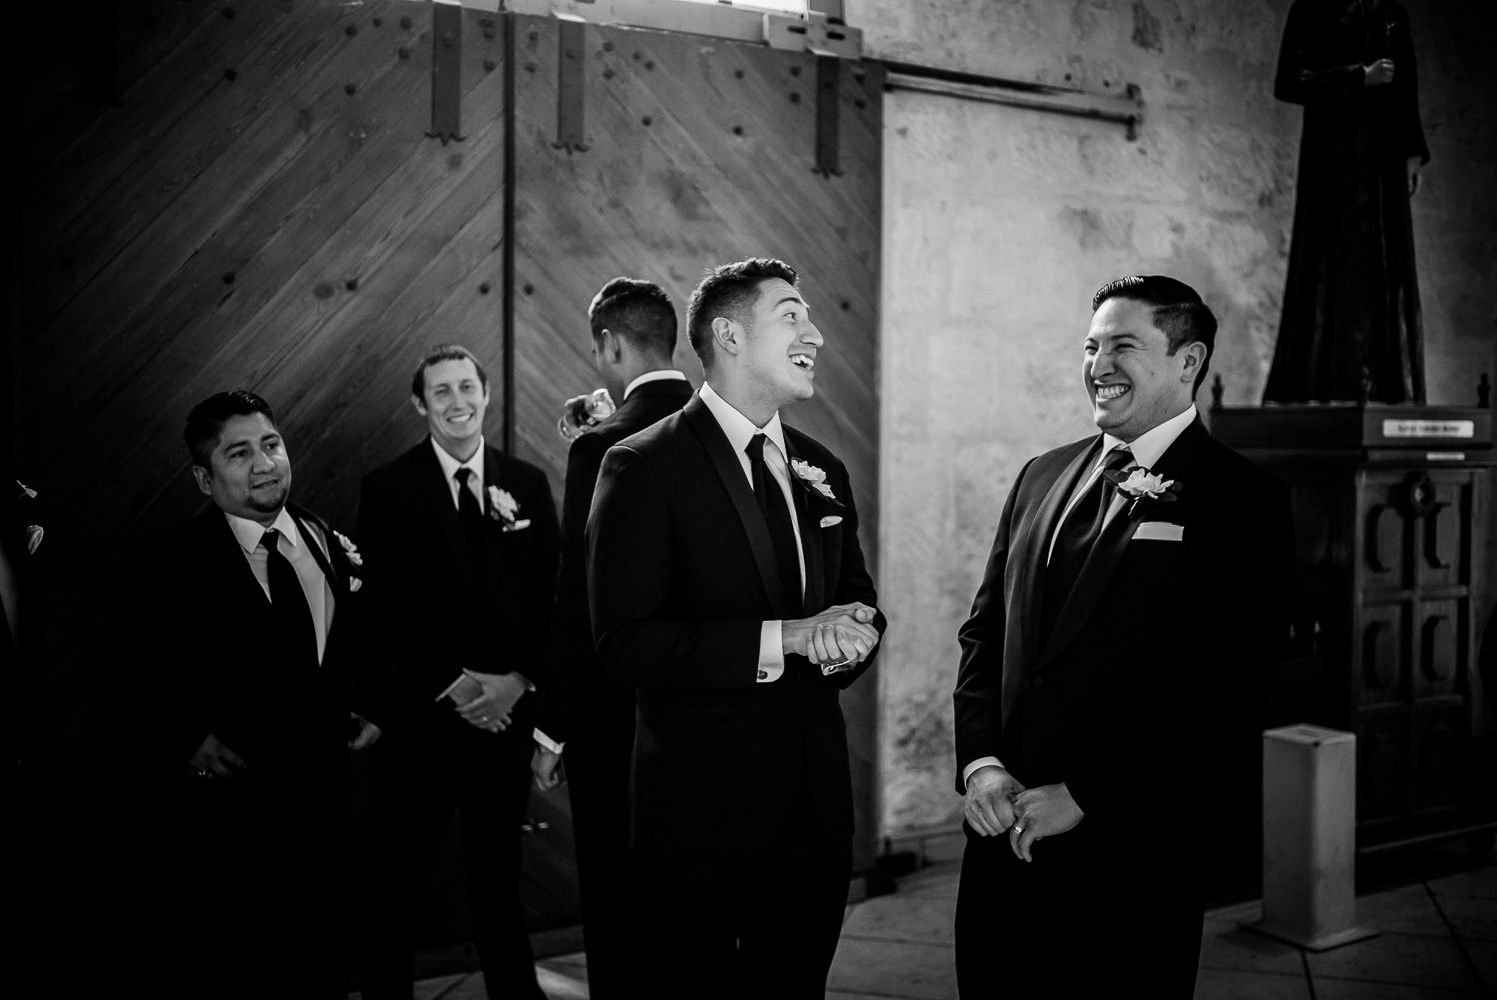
x=755, y=448
x=270, y=539
x=1119, y=458
x=462, y=475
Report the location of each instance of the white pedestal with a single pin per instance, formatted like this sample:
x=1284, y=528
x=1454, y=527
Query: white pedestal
x=1310, y=838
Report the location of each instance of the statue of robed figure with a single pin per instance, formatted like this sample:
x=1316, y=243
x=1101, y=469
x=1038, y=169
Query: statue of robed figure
x=1351, y=327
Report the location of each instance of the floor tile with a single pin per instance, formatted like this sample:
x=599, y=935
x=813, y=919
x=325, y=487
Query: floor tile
x=1228, y=946
x=1474, y=918
x=1484, y=957
x=1412, y=959
x=1402, y=911
x=903, y=917
x=1243, y=913
x=566, y=983
x=925, y=971
x=1481, y=883
x=467, y=987
x=1227, y=984
x=941, y=880
x=570, y=958
x=1350, y=989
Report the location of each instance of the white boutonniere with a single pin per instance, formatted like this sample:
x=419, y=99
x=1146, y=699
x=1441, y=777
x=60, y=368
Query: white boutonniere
x=1143, y=487
x=503, y=508
x=355, y=559
x=581, y=414
x=812, y=477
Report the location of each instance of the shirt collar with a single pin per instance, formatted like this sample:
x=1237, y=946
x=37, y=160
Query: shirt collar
x=740, y=429
x=248, y=533
x=1149, y=447
x=658, y=375
x=450, y=465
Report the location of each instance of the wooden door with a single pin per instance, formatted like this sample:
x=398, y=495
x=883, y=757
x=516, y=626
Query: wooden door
x=694, y=152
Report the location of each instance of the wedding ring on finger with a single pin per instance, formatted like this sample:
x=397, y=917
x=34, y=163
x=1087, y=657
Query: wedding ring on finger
x=1017, y=829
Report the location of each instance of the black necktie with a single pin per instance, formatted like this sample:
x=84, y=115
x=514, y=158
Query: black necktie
x=1078, y=533
x=289, y=602
x=781, y=528
x=469, y=514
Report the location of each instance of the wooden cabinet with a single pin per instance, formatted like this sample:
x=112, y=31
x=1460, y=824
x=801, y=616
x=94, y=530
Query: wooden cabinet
x=1393, y=514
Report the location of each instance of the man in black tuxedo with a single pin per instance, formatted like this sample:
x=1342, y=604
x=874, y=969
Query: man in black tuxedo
x=248, y=711
x=1129, y=620
x=461, y=548
x=634, y=336
x=727, y=586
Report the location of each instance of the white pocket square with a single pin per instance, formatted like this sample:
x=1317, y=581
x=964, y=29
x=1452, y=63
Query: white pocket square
x=518, y=525
x=830, y=519
x=1159, y=531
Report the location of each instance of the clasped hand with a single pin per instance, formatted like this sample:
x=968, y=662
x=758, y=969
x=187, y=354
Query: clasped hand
x=842, y=635
x=997, y=803
x=491, y=710
x=1378, y=74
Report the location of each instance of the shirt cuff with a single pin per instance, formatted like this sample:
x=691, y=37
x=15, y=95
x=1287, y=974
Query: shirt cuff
x=771, y=652
x=979, y=762
x=547, y=742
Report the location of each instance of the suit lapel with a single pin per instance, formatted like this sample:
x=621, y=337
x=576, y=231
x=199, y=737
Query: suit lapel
x=725, y=462
x=439, y=497
x=1037, y=547
x=313, y=532
x=493, y=534
x=1102, y=562
x=809, y=523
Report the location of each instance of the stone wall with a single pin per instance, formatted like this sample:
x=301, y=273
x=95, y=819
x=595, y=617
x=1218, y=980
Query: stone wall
x=999, y=223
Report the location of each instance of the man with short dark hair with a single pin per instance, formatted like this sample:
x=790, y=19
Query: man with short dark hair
x=460, y=547
x=1127, y=625
x=728, y=587
x=271, y=673
x=634, y=336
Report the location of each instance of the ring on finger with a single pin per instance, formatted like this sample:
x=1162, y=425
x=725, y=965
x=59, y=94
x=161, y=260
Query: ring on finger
x=1017, y=828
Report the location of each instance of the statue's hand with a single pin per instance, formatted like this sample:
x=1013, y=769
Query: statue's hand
x=1378, y=73
x=1413, y=169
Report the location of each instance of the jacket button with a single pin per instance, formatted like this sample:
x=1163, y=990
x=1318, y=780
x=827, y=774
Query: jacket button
x=1038, y=682
x=763, y=675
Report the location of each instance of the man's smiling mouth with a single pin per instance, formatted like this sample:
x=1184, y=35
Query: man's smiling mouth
x=1106, y=392
x=803, y=361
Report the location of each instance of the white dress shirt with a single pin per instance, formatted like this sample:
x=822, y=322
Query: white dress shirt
x=450, y=466
x=1148, y=448
x=658, y=375
x=740, y=430
x=293, y=545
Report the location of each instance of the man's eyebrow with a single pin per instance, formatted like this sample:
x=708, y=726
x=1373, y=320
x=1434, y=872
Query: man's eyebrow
x=791, y=298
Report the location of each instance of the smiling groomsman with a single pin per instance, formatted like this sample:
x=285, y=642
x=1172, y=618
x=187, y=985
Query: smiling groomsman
x=460, y=544
x=1129, y=621
x=727, y=586
x=245, y=706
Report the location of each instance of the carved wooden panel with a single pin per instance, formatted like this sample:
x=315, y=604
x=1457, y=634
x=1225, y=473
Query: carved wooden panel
x=1382, y=767
x=1380, y=655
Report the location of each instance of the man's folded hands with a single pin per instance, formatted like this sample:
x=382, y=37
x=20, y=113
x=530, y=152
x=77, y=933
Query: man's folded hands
x=842, y=636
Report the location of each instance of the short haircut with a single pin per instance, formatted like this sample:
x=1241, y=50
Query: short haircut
x=205, y=424
x=728, y=290
x=639, y=311
x=1179, y=311
x=438, y=354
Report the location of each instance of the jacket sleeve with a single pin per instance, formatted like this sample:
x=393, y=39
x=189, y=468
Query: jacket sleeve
x=977, y=702
x=541, y=588
x=1302, y=78
x=630, y=590
x=571, y=659
x=854, y=582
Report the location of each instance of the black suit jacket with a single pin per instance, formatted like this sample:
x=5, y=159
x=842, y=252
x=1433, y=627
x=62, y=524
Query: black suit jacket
x=573, y=676
x=1163, y=648
x=442, y=609
x=681, y=575
x=218, y=667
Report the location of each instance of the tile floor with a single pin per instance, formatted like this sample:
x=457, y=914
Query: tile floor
x=1438, y=941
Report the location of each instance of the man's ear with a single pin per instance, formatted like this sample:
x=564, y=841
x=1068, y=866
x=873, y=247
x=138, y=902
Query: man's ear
x=204, y=479
x=420, y=406
x=612, y=346
x=1195, y=356
x=728, y=335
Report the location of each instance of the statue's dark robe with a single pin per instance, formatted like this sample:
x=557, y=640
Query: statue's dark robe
x=1352, y=297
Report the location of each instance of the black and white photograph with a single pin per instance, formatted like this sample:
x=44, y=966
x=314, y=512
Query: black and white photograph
x=752, y=500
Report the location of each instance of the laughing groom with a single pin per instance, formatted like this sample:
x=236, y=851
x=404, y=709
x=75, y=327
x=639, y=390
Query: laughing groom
x=1130, y=617
x=727, y=586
